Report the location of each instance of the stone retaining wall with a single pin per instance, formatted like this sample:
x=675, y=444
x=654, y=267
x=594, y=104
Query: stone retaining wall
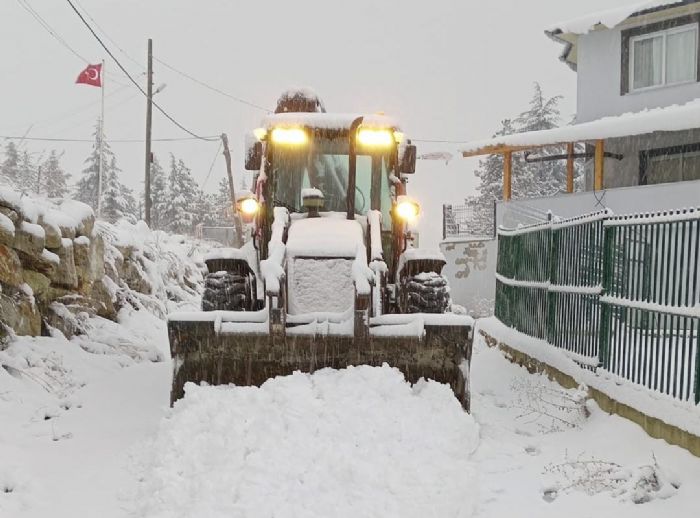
x=52, y=267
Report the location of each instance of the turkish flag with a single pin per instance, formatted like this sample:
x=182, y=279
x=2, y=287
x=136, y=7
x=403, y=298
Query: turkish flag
x=92, y=75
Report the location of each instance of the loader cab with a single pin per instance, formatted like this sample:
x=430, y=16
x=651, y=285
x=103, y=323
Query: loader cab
x=297, y=157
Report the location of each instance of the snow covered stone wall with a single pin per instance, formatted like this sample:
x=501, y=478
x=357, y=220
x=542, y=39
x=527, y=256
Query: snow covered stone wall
x=59, y=267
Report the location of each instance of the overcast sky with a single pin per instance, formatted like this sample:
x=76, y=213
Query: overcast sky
x=446, y=69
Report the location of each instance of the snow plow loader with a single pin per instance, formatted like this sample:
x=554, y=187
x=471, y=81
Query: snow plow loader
x=329, y=276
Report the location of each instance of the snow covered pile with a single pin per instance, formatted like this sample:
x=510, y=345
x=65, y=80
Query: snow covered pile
x=162, y=271
x=354, y=442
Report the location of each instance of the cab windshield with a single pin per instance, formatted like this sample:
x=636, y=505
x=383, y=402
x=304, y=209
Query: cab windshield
x=323, y=163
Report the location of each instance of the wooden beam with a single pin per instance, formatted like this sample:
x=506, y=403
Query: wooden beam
x=570, y=167
x=599, y=165
x=507, y=174
x=502, y=149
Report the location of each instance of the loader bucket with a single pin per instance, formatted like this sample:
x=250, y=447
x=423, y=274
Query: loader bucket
x=241, y=354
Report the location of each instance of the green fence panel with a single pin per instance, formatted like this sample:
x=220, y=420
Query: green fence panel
x=618, y=292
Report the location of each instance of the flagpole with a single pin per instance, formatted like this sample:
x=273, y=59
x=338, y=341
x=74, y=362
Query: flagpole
x=102, y=138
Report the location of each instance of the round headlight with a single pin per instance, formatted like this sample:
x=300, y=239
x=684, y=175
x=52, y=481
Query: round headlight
x=249, y=206
x=408, y=210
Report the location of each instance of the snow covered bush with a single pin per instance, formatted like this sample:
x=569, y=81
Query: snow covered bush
x=637, y=484
x=550, y=408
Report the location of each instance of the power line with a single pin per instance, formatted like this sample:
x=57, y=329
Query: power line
x=45, y=25
x=212, y=88
x=132, y=140
x=119, y=48
x=211, y=167
x=25, y=5
x=161, y=110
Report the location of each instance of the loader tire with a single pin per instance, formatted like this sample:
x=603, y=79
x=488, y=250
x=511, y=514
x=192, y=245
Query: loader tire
x=426, y=292
x=226, y=291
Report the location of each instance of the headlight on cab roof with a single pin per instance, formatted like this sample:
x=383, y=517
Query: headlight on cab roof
x=289, y=136
x=375, y=137
x=407, y=208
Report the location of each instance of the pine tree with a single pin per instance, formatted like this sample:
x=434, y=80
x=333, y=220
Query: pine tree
x=222, y=203
x=114, y=205
x=87, y=186
x=131, y=206
x=530, y=179
x=54, y=178
x=27, y=174
x=540, y=178
x=9, y=170
x=159, y=194
x=181, y=202
x=205, y=213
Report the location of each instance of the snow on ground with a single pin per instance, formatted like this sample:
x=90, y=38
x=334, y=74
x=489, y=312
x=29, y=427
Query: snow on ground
x=87, y=431
x=548, y=453
x=69, y=416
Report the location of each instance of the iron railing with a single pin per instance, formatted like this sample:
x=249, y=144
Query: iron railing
x=619, y=293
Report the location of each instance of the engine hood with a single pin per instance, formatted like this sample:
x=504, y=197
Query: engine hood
x=324, y=237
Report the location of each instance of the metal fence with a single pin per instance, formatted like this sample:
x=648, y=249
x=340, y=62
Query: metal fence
x=620, y=293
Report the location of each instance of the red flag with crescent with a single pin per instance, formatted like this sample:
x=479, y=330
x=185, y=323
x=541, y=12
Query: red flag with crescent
x=92, y=75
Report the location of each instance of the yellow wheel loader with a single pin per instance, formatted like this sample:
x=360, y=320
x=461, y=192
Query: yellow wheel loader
x=329, y=276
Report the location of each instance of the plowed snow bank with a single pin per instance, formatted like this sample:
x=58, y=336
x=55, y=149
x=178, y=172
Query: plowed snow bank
x=355, y=442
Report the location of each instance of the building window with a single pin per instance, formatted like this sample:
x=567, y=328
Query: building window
x=660, y=54
x=664, y=58
x=670, y=164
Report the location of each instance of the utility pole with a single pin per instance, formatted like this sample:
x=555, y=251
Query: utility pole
x=149, y=114
x=238, y=240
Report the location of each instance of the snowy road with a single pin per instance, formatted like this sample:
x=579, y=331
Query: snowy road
x=530, y=450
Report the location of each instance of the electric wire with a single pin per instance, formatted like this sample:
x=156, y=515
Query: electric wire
x=131, y=140
x=45, y=25
x=212, y=88
x=161, y=110
x=119, y=48
x=211, y=167
x=25, y=5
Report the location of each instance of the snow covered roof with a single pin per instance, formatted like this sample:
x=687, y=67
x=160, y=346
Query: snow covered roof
x=670, y=118
x=569, y=31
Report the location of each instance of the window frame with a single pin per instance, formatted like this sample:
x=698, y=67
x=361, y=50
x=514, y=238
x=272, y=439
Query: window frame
x=663, y=28
x=665, y=33
x=648, y=155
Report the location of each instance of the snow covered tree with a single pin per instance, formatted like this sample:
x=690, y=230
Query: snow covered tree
x=132, y=212
x=530, y=179
x=54, y=178
x=9, y=170
x=113, y=204
x=87, y=186
x=27, y=174
x=539, y=178
x=159, y=194
x=205, y=211
x=182, y=195
x=222, y=203
x=117, y=199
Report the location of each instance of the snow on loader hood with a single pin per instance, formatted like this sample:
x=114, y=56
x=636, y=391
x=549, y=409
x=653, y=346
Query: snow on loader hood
x=324, y=237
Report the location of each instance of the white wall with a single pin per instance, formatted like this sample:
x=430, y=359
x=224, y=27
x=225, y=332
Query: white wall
x=471, y=270
x=598, y=88
x=647, y=198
